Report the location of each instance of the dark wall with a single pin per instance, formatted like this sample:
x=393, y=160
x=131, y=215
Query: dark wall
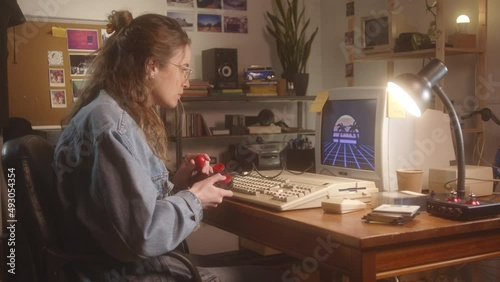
x=10, y=15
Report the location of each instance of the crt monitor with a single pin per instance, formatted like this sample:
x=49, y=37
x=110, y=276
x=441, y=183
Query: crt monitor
x=350, y=134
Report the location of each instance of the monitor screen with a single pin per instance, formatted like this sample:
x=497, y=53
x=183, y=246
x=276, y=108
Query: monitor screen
x=350, y=134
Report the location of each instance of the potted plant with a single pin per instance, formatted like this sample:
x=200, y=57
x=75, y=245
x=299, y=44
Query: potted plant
x=289, y=28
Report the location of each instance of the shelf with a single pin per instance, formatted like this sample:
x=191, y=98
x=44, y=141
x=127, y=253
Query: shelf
x=472, y=130
x=427, y=53
x=295, y=131
x=247, y=98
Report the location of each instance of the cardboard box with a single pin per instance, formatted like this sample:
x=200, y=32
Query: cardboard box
x=439, y=176
x=462, y=40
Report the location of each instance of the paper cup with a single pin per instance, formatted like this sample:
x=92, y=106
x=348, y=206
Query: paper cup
x=410, y=179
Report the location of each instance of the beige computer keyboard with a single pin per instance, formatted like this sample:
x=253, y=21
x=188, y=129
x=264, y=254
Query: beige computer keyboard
x=289, y=191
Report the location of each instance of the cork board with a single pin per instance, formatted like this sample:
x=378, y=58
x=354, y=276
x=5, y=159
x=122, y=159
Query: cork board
x=35, y=86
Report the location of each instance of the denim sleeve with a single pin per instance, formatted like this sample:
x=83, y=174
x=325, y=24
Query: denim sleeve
x=133, y=219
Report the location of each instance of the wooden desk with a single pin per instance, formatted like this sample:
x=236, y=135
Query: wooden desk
x=363, y=251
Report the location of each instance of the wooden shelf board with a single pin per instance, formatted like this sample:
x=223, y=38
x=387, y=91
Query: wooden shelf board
x=416, y=54
x=296, y=131
x=472, y=130
x=246, y=98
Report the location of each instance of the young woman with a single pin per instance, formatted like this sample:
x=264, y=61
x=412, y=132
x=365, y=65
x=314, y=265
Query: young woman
x=116, y=197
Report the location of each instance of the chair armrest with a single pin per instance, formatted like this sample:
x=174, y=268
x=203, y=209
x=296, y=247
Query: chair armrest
x=187, y=262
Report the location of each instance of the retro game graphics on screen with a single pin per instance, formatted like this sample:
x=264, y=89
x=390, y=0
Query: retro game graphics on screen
x=348, y=134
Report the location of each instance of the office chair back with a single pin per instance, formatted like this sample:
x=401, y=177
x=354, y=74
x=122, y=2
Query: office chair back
x=27, y=164
x=28, y=160
x=17, y=127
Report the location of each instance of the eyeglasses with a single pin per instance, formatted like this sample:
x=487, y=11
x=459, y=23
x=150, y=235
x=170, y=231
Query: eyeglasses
x=186, y=71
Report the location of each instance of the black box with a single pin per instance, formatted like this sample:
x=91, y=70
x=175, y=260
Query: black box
x=236, y=124
x=300, y=160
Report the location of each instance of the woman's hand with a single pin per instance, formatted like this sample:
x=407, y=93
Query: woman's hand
x=188, y=167
x=207, y=193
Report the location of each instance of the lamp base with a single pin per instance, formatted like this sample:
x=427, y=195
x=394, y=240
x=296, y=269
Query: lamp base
x=459, y=209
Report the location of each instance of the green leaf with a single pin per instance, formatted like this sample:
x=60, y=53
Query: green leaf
x=289, y=29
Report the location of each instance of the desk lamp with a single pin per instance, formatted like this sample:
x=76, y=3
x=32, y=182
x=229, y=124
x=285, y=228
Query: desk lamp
x=413, y=91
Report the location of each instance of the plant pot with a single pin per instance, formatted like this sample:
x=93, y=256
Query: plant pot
x=300, y=82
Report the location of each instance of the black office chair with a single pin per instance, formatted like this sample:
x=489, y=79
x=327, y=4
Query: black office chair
x=38, y=257
x=17, y=127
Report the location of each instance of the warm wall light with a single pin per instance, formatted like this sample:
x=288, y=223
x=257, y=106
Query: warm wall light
x=463, y=22
x=414, y=90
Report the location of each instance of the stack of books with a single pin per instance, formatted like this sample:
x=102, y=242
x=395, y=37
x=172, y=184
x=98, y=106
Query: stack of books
x=227, y=92
x=195, y=125
x=261, y=87
x=393, y=214
x=197, y=88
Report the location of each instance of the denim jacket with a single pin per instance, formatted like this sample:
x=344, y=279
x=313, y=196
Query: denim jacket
x=114, y=191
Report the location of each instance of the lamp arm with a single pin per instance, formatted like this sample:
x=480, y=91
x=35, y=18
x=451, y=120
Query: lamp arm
x=459, y=139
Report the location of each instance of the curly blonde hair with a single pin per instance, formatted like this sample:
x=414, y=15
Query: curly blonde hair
x=117, y=69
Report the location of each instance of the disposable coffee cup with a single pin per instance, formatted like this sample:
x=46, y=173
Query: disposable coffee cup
x=410, y=179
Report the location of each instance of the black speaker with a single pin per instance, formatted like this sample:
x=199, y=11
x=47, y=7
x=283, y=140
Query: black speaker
x=220, y=67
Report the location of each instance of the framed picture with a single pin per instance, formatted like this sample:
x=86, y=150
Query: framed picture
x=184, y=18
x=349, y=70
x=349, y=38
x=58, y=98
x=55, y=58
x=349, y=9
x=209, y=4
x=76, y=87
x=56, y=77
x=235, y=24
x=240, y=5
x=209, y=23
x=180, y=3
x=377, y=33
x=82, y=39
x=79, y=63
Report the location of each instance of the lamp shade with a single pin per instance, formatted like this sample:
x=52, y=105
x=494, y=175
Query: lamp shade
x=414, y=91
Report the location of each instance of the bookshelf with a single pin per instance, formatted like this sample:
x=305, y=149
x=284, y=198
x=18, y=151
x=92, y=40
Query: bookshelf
x=258, y=102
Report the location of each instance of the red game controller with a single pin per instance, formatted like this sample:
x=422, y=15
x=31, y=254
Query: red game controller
x=225, y=183
x=200, y=161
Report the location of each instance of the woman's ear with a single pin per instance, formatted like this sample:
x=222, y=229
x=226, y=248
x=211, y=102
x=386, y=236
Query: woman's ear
x=151, y=68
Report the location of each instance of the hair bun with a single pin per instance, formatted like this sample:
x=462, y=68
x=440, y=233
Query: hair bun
x=118, y=20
